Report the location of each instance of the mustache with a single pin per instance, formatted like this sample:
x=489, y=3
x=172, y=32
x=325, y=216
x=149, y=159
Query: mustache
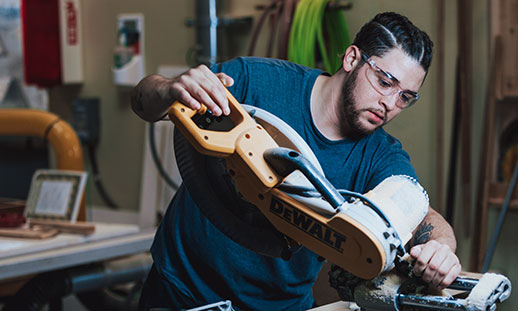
x=379, y=112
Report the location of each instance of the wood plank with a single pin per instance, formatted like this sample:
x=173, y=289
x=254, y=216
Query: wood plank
x=439, y=180
x=79, y=227
x=40, y=233
x=335, y=306
x=478, y=247
x=499, y=190
x=497, y=193
x=465, y=32
x=509, y=33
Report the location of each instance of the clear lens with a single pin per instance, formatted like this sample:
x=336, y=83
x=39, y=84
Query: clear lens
x=407, y=99
x=385, y=86
x=381, y=82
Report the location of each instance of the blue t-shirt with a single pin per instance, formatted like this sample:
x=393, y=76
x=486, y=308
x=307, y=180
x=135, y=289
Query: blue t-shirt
x=205, y=266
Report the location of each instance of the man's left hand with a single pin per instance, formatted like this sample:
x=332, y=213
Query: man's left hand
x=435, y=263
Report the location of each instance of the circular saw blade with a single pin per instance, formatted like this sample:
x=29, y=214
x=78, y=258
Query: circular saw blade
x=212, y=188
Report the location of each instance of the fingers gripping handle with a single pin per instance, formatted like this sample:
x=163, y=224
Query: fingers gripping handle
x=212, y=143
x=242, y=145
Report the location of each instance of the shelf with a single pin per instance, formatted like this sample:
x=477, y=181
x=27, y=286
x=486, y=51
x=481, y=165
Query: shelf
x=497, y=193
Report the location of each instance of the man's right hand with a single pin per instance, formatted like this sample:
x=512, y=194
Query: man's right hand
x=155, y=94
x=201, y=86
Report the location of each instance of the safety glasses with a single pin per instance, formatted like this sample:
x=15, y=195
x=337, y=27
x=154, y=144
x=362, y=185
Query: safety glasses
x=385, y=84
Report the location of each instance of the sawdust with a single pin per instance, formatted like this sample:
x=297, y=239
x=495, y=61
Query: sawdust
x=379, y=291
x=344, y=282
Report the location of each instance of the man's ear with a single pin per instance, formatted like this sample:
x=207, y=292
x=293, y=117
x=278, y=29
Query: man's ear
x=351, y=58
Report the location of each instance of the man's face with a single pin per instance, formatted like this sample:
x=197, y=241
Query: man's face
x=364, y=108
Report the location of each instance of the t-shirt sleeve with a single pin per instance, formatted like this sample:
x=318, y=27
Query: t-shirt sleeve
x=390, y=160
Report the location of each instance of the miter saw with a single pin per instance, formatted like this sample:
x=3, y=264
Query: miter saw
x=259, y=183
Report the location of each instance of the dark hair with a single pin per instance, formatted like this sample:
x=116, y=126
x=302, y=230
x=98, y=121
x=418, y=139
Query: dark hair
x=391, y=30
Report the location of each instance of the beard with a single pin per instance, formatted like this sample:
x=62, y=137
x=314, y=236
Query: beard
x=348, y=111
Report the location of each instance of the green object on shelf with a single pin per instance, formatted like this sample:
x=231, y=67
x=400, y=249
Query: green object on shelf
x=307, y=31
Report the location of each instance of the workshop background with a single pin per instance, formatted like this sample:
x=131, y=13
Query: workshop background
x=425, y=131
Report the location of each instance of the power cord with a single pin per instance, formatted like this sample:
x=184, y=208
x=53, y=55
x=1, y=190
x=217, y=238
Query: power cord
x=97, y=178
x=311, y=192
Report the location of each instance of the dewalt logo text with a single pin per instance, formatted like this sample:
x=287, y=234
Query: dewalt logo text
x=307, y=224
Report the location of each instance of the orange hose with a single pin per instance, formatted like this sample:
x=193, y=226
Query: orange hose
x=29, y=122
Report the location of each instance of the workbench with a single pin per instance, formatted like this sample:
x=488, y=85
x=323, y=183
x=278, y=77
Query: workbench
x=19, y=257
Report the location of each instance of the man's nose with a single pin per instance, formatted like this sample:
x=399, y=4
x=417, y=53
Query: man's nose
x=389, y=101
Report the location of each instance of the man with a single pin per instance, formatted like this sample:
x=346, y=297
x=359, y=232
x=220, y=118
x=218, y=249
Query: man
x=340, y=116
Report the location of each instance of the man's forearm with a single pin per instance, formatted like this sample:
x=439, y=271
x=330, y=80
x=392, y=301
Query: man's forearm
x=434, y=227
x=434, y=248
x=151, y=98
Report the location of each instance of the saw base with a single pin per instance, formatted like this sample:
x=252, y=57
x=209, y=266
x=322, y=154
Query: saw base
x=394, y=291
